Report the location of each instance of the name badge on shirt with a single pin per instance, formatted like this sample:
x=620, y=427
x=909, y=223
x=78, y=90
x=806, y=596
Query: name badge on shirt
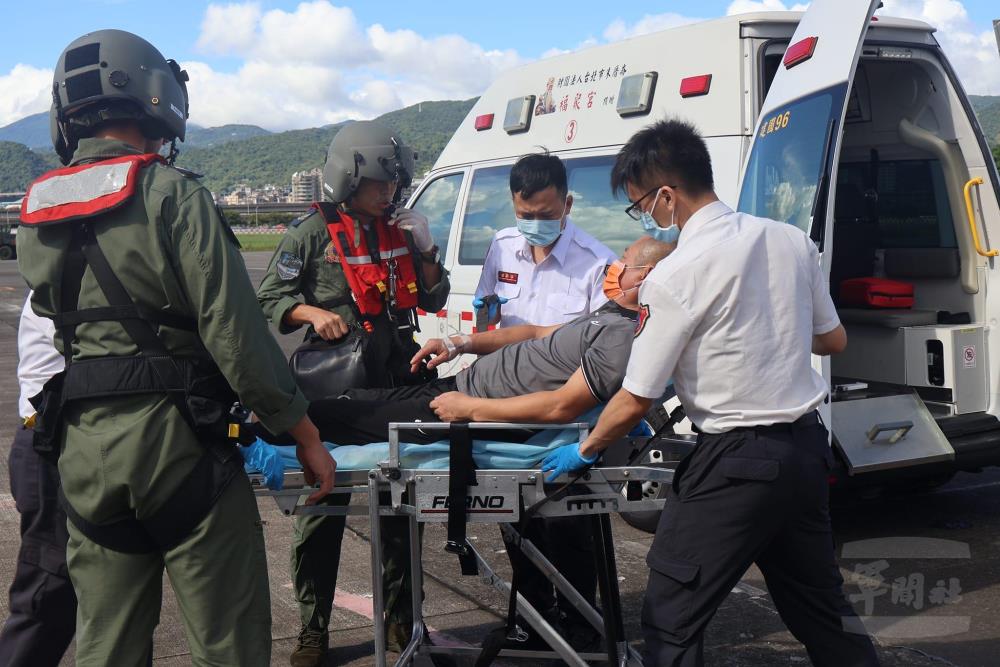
x=507, y=277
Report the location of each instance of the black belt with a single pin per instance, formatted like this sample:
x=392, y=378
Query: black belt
x=807, y=420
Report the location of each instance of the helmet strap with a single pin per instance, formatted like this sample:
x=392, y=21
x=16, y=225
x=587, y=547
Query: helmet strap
x=61, y=124
x=174, y=152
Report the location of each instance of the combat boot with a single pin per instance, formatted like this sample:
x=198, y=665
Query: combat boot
x=311, y=649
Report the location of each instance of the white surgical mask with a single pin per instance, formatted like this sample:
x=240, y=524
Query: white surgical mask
x=666, y=235
x=541, y=232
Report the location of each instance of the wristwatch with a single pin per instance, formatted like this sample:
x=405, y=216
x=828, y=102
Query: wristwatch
x=432, y=256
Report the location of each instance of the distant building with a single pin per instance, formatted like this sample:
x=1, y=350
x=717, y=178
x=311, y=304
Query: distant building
x=307, y=186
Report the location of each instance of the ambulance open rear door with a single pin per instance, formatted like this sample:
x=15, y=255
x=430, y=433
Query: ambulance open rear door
x=790, y=172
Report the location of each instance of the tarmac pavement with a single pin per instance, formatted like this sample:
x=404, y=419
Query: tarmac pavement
x=923, y=568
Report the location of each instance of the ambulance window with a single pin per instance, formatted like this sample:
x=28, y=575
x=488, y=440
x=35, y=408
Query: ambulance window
x=488, y=209
x=595, y=208
x=437, y=201
x=786, y=163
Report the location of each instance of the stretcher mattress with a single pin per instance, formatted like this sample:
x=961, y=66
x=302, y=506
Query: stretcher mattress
x=488, y=454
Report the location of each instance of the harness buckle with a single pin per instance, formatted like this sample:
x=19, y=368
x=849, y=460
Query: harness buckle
x=459, y=549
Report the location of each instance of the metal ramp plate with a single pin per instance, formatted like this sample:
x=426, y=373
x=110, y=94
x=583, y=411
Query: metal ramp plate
x=888, y=432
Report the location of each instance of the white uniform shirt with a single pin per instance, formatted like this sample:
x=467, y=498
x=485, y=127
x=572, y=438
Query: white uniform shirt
x=730, y=315
x=566, y=284
x=38, y=358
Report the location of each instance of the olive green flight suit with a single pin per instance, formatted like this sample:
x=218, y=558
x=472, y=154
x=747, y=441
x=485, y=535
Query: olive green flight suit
x=305, y=269
x=125, y=455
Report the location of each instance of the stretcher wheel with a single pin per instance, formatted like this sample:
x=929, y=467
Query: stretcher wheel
x=647, y=521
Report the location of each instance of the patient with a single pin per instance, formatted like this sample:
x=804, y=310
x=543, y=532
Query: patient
x=525, y=373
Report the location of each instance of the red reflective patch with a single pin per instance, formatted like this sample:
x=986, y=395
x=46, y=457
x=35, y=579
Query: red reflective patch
x=82, y=209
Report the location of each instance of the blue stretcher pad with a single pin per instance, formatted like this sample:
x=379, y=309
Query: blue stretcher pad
x=274, y=460
x=493, y=454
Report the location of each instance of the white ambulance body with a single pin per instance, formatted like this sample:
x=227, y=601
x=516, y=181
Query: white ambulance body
x=854, y=128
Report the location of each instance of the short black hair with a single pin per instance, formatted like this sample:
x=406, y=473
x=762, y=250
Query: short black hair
x=536, y=172
x=668, y=152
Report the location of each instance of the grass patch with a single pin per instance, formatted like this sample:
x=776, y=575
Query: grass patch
x=253, y=242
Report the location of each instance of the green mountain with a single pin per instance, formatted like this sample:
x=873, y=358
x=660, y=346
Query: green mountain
x=19, y=165
x=426, y=127
x=32, y=131
x=987, y=108
x=198, y=136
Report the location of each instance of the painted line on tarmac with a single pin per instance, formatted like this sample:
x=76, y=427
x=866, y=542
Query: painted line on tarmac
x=362, y=606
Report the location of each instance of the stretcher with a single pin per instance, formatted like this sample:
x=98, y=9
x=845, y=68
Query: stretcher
x=498, y=496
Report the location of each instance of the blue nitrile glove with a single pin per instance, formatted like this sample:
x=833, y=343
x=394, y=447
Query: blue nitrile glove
x=265, y=458
x=493, y=307
x=566, y=459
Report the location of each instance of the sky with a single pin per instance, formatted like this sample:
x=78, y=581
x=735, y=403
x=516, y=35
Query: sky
x=288, y=64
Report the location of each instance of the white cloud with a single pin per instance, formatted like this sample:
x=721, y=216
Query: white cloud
x=746, y=6
x=619, y=29
x=24, y=91
x=229, y=28
x=316, y=64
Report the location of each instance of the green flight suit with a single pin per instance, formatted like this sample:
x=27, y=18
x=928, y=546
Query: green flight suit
x=305, y=269
x=125, y=455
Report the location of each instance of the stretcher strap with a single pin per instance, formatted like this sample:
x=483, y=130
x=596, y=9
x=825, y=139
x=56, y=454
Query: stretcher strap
x=463, y=474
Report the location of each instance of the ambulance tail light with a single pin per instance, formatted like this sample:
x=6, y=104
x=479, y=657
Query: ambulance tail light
x=635, y=94
x=693, y=86
x=799, y=52
x=484, y=122
x=518, y=116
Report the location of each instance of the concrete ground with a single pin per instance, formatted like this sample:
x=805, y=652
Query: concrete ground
x=925, y=568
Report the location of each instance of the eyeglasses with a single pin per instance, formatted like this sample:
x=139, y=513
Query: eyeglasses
x=635, y=211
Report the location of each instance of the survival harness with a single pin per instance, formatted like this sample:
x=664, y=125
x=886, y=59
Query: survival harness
x=371, y=260
x=195, y=385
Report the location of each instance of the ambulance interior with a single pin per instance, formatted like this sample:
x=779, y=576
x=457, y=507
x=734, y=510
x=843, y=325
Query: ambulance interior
x=899, y=214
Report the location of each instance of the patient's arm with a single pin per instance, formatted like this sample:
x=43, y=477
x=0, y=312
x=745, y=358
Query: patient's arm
x=542, y=407
x=478, y=343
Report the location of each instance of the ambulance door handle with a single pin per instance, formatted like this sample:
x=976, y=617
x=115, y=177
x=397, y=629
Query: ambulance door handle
x=967, y=190
x=900, y=428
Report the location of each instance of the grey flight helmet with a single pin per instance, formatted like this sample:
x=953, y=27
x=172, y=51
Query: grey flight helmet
x=114, y=75
x=365, y=149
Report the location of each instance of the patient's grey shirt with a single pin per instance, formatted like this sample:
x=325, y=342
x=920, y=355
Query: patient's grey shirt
x=599, y=343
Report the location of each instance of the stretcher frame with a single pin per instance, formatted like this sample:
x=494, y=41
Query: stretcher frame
x=603, y=496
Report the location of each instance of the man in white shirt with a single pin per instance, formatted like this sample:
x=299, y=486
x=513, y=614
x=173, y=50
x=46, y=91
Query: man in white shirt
x=545, y=270
x=732, y=316
x=42, y=617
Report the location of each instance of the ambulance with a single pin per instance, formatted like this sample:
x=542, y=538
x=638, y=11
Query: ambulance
x=850, y=125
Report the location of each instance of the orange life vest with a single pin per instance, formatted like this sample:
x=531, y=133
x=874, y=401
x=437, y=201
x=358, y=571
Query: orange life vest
x=378, y=277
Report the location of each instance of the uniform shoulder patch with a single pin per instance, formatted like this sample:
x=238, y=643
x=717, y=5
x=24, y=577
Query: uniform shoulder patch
x=302, y=218
x=640, y=322
x=289, y=265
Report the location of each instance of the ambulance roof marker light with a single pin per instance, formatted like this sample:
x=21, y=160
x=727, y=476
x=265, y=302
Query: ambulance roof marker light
x=635, y=94
x=692, y=86
x=518, y=115
x=799, y=52
x=484, y=122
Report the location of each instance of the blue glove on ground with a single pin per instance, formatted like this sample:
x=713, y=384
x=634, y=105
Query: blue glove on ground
x=566, y=459
x=491, y=311
x=266, y=459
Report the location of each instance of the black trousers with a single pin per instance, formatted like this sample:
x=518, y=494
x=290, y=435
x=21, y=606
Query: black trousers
x=750, y=496
x=42, y=617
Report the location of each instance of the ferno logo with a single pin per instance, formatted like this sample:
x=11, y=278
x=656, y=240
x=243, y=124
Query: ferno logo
x=471, y=502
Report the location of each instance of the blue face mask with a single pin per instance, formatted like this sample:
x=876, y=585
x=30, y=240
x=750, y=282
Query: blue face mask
x=540, y=232
x=666, y=235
